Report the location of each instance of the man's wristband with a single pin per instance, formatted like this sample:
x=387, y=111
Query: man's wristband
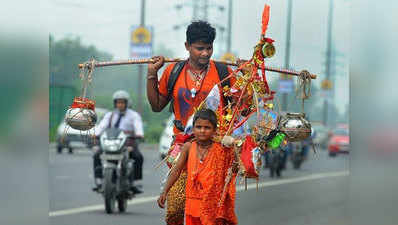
x=152, y=77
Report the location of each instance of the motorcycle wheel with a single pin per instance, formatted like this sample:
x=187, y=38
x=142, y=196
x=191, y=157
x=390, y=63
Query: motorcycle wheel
x=274, y=166
x=109, y=189
x=271, y=171
x=278, y=172
x=122, y=204
x=297, y=162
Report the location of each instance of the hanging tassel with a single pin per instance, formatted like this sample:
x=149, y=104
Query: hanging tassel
x=257, y=184
x=161, y=162
x=225, y=189
x=265, y=20
x=267, y=89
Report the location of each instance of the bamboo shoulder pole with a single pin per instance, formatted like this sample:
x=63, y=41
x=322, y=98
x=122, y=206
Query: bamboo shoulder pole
x=167, y=60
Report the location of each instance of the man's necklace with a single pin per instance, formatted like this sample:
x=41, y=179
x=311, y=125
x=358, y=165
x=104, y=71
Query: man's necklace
x=193, y=90
x=198, y=77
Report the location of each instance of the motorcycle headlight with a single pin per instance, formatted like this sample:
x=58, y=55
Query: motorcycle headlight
x=112, y=148
x=107, y=142
x=111, y=145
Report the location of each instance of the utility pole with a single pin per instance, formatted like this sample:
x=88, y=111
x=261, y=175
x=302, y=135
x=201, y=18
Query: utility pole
x=229, y=26
x=328, y=60
x=205, y=10
x=141, y=67
x=194, y=10
x=287, y=50
x=200, y=11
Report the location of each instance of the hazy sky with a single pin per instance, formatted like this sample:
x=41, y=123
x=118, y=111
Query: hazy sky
x=106, y=24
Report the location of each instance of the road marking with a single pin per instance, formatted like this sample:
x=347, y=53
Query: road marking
x=141, y=200
x=134, y=201
x=62, y=177
x=294, y=180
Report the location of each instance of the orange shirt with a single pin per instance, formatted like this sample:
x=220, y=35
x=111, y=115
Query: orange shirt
x=184, y=104
x=205, y=184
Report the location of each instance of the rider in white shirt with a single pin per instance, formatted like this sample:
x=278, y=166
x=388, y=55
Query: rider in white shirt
x=128, y=121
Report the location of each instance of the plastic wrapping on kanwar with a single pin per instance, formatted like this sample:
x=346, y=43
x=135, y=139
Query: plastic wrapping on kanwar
x=250, y=158
x=176, y=147
x=81, y=114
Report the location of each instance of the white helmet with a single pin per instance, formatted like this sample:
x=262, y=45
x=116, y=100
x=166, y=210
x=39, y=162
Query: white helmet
x=122, y=94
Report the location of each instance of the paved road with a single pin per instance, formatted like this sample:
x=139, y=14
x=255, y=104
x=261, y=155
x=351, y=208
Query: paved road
x=315, y=194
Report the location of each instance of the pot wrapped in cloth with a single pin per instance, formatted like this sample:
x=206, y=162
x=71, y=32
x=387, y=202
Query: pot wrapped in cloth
x=81, y=115
x=295, y=126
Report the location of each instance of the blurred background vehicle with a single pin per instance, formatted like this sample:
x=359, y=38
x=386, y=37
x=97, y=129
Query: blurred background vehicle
x=321, y=134
x=70, y=138
x=297, y=154
x=339, y=141
x=166, y=137
x=276, y=161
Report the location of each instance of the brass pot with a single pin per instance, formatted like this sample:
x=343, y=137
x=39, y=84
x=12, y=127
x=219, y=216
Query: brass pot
x=80, y=118
x=295, y=126
x=268, y=50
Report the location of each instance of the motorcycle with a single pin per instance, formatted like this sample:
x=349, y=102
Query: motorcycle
x=117, y=168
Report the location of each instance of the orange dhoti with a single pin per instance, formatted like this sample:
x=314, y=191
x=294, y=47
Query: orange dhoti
x=190, y=220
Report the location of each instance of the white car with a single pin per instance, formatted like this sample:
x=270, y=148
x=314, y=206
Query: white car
x=166, y=138
x=70, y=138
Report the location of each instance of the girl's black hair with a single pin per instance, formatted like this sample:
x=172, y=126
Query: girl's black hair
x=200, y=31
x=206, y=114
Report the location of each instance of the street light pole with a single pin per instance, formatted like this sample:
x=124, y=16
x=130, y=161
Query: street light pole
x=194, y=10
x=229, y=26
x=287, y=50
x=205, y=10
x=141, y=67
x=328, y=60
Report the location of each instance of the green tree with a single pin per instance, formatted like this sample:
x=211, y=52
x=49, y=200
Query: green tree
x=65, y=55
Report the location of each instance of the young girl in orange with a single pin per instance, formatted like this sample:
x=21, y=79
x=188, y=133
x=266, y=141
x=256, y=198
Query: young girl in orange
x=207, y=164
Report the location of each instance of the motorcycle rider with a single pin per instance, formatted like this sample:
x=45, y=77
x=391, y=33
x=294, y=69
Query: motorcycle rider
x=128, y=121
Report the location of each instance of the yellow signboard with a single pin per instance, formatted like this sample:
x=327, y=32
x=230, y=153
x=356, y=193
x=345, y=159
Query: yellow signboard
x=141, y=35
x=326, y=84
x=229, y=57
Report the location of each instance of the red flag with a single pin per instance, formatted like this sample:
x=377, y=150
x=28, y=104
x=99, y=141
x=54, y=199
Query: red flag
x=265, y=19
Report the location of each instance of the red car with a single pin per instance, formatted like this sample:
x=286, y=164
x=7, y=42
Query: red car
x=339, y=141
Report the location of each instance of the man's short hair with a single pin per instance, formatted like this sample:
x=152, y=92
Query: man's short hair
x=200, y=31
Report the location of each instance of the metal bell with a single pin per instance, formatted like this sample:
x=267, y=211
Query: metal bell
x=268, y=50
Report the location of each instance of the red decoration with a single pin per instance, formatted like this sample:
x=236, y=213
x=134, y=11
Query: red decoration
x=246, y=157
x=182, y=138
x=83, y=103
